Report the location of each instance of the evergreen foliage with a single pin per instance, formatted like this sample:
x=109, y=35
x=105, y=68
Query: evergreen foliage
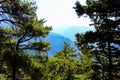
x=20, y=26
x=105, y=41
x=21, y=31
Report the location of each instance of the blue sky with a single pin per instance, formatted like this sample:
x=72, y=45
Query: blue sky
x=60, y=14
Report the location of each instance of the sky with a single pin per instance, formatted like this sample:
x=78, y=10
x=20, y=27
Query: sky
x=62, y=17
x=60, y=14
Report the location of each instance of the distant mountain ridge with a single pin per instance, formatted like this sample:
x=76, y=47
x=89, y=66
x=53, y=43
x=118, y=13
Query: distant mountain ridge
x=72, y=30
x=57, y=42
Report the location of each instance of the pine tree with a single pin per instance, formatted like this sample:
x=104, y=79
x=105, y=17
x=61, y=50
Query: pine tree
x=67, y=54
x=105, y=16
x=19, y=22
x=86, y=70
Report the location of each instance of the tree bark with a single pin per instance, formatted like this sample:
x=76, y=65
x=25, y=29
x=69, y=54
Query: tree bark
x=14, y=71
x=110, y=62
x=14, y=66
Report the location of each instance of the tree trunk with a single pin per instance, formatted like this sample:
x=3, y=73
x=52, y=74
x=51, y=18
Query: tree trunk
x=110, y=62
x=14, y=72
x=14, y=66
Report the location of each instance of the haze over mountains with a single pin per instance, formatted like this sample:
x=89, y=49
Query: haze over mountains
x=57, y=42
x=58, y=37
x=72, y=30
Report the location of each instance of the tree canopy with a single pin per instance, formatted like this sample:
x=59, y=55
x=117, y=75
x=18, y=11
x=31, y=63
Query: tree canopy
x=20, y=26
x=105, y=40
x=21, y=32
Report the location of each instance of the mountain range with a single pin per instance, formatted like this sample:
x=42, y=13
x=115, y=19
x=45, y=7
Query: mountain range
x=61, y=35
x=58, y=38
x=57, y=42
x=70, y=31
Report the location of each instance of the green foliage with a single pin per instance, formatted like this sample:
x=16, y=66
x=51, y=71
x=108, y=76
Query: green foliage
x=104, y=42
x=3, y=77
x=59, y=69
x=67, y=52
x=99, y=50
x=86, y=67
x=22, y=26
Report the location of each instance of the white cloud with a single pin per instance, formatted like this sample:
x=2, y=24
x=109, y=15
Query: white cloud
x=60, y=13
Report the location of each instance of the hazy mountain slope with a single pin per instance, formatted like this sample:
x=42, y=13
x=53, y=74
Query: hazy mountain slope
x=57, y=42
x=72, y=30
